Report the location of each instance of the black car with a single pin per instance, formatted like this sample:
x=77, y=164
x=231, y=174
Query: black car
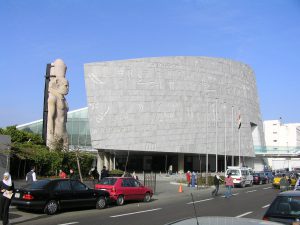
x=260, y=178
x=50, y=195
x=285, y=208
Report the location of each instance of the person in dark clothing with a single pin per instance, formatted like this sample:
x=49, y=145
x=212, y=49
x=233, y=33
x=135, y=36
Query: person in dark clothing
x=104, y=173
x=95, y=175
x=217, y=180
x=72, y=175
x=7, y=188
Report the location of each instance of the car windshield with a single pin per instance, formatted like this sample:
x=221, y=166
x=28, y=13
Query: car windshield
x=108, y=181
x=37, y=184
x=285, y=206
x=256, y=174
x=233, y=172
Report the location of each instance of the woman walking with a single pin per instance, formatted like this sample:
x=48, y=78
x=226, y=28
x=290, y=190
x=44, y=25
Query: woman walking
x=7, y=188
x=229, y=185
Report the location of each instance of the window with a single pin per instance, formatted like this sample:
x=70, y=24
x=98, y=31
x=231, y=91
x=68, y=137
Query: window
x=108, y=181
x=77, y=186
x=285, y=205
x=38, y=184
x=63, y=186
x=233, y=172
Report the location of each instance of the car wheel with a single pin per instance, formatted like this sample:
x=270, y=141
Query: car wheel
x=147, y=197
x=51, y=207
x=101, y=203
x=120, y=200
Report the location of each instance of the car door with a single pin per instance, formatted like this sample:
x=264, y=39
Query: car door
x=128, y=192
x=63, y=193
x=138, y=189
x=82, y=195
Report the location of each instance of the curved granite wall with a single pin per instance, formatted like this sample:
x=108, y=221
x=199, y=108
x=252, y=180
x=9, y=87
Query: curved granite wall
x=173, y=104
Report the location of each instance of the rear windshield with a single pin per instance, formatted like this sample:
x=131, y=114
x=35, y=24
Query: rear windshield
x=108, y=181
x=234, y=172
x=258, y=174
x=37, y=184
x=285, y=206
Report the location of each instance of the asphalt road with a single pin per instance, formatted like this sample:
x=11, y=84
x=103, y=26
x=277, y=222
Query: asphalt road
x=167, y=206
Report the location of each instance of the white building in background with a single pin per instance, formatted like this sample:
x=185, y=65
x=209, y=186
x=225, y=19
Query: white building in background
x=282, y=144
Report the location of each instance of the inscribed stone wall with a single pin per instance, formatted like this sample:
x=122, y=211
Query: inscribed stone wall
x=172, y=104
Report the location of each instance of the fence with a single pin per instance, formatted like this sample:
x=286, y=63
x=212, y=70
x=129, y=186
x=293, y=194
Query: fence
x=150, y=180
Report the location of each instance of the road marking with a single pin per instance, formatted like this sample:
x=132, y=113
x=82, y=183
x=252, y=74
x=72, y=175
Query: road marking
x=247, y=213
x=232, y=194
x=251, y=191
x=266, y=206
x=150, y=210
x=204, y=200
x=267, y=188
x=68, y=223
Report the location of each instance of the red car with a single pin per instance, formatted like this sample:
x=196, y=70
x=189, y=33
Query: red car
x=124, y=188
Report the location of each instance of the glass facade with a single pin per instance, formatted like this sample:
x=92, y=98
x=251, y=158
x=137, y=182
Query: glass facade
x=77, y=127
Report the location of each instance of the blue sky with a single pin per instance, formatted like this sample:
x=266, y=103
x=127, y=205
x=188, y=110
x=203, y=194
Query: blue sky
x=264, y=34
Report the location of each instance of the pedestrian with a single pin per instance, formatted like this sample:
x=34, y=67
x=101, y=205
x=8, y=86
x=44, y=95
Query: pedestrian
x=134, y=175
x=284, y=184
x=188, y=178
x=7, y=188
x=95, y=175
x=229, y=185
x=193, y=179
x=72, y=175
x=170, y=170
x=104, y=173
x=297, y=185
x=62, y=174
x=31, y=175
x=217, y=180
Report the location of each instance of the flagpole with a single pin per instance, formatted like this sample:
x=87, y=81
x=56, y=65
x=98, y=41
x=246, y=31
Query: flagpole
x=239, y=127
x=225, y=144
x=232, y=156
x=216, y=135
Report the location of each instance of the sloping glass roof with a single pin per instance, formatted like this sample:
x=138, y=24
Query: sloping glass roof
x=77, y=126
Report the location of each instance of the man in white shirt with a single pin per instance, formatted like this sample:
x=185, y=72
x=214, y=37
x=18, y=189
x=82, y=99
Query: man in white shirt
x=31, y=175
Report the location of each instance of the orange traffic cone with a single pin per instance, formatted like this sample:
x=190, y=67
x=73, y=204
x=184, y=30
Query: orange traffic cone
x=180, y=188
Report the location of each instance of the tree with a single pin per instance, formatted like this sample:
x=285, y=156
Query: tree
x=28, y=149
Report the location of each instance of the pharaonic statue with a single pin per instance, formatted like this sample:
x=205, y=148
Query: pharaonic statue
x=57, y=106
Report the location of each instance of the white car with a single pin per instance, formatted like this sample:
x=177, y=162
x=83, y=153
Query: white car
x=242, y=176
